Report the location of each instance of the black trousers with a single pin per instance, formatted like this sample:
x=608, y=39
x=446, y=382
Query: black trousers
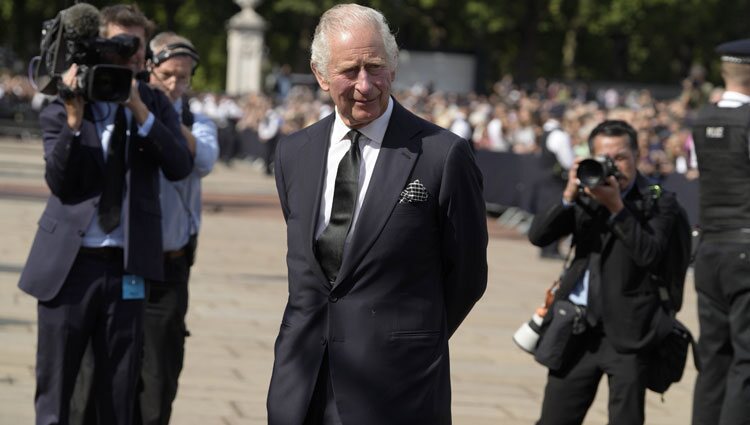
x=322, y=409
x=722, y=281
x=89, y=307
x=163, y=334
x=571, y=390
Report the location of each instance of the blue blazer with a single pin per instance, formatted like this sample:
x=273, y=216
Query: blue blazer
x=75, y=173
x=410, y=275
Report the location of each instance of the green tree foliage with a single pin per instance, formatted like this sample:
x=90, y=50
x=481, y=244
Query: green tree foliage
x=628, y=40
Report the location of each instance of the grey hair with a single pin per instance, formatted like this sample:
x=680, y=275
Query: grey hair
x=164, y=39
x=346, y=17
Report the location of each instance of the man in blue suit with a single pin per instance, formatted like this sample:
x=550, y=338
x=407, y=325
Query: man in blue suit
x=99, y=237
x=386, y=238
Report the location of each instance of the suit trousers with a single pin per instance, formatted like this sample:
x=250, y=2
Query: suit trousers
x=571, y=390
x=322, y=409
x=722, y=282
x=89, y=307
x=164, y=333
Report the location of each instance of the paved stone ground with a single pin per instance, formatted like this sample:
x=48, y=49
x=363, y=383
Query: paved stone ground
x=238, y=290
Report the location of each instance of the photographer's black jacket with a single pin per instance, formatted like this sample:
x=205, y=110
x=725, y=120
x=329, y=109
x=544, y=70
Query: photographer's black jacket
x=75, y=173
x=620, y=252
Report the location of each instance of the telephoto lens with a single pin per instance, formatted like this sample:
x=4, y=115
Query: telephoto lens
x=527, y=336
x=593, y=172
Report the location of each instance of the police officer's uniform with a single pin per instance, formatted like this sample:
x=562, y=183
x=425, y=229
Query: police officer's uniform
x=722, y=267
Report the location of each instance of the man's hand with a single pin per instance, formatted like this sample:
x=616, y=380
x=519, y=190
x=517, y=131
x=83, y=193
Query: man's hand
x=571, y=189
x=136, y=105
x=74, y=105
x=607, y=194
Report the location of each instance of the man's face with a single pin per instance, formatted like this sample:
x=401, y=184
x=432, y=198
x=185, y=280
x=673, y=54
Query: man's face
x=172, y=76
x=359, y=79
x=618, y=148
x=137, y=62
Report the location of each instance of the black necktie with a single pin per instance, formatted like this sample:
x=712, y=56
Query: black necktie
x=110, y=203
x=330, y=244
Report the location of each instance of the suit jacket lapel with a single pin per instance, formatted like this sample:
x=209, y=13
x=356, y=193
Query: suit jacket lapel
x=397, y=156
x=315, y=153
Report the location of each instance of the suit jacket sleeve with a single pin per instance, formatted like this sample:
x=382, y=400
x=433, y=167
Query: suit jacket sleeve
x=464, y=234
x=164, y=142
x=66, y=163
x=647, y=245
x=548, y=227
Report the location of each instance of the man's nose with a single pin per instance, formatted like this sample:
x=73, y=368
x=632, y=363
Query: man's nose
x=364, y=84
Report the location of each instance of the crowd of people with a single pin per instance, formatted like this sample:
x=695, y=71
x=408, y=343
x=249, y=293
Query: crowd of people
x=509, y=119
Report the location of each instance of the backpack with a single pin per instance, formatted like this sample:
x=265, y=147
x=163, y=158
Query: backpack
x=667, y=359
x=670, y=273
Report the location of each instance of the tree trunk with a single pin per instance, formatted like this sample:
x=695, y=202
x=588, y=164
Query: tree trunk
x=529, y=31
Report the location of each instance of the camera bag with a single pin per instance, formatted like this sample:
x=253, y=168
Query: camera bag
x=567, y=320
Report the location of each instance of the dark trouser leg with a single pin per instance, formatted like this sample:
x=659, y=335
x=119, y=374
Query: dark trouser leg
x=164, y=343
x=570, y=392
x=118, y=344
x=714, y=345
x=735, y=278
x=82, y=406
x=627, y=385
x=269, y=150
x=64, y=328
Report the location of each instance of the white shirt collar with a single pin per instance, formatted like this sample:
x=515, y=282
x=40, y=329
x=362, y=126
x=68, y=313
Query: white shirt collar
x=374, y=131
x=735, y=97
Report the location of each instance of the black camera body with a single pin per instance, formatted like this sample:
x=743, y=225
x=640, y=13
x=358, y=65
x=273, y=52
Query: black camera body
x=72, y=37
x=593, y=172
x=98, y=78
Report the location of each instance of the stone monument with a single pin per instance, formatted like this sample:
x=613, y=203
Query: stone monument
x=245, y=49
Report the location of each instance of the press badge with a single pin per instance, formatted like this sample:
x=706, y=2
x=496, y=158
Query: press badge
x=133, y=287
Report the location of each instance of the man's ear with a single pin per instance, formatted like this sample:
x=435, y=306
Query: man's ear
x=322, y=81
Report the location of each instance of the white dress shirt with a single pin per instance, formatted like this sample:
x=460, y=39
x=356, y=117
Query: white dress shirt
x=369, y=144
x=559, y=143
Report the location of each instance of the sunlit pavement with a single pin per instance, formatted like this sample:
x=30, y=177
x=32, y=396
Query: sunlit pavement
x=237, y=294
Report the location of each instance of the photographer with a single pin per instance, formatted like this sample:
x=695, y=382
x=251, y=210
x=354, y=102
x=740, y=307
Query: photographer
x=99, y=237
x=620, y=228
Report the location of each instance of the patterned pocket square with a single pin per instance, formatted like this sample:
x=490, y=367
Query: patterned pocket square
x=414, y=192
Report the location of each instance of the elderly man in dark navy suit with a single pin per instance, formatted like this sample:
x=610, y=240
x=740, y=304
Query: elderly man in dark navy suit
x=99, y=237
x=387, y=239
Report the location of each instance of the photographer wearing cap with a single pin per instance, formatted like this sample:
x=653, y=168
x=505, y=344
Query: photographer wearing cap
x=172, y=62
x=621, y=231
x=722, y=270
x=99, y=237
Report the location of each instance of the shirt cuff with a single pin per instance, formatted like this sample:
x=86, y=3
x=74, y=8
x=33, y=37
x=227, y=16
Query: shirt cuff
x=567, y=204
x=144, y=129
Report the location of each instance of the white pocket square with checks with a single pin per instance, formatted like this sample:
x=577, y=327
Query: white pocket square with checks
x=414, y=192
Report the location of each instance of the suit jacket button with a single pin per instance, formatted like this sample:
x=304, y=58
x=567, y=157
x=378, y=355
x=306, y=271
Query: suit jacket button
x=333, y=299
x=81, y=233
x=322, y=340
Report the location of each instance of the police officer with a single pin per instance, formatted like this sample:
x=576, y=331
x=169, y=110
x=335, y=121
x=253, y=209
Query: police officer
x=722, y=264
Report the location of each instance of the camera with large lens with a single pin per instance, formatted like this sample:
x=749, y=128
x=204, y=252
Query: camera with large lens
x=593, y=172
x=98, y=78
x=72, y=37
x=527, y=336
